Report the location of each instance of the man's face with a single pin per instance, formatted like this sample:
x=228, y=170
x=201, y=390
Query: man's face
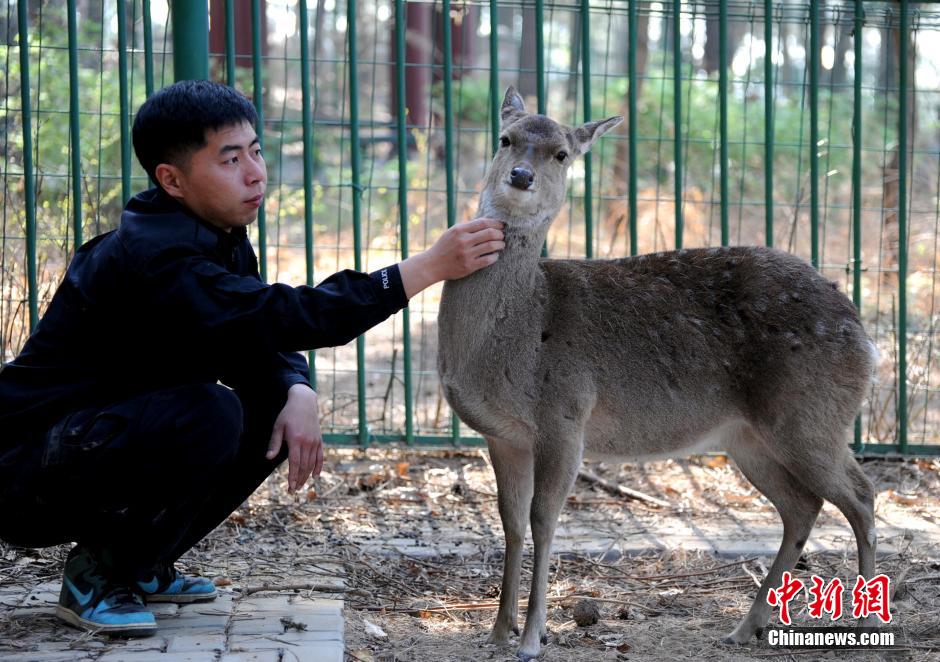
x=223, y=182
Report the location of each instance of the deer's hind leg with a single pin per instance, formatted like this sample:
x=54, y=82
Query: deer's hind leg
x=832, y=473
x=513, y=467
x=798, y=508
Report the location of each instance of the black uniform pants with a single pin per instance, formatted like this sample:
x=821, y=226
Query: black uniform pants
x=146, y=478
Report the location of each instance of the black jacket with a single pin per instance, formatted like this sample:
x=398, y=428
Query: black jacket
x=168, y=299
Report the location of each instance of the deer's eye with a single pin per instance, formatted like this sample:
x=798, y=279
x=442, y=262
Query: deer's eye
x=561, y=156
x=504, y=141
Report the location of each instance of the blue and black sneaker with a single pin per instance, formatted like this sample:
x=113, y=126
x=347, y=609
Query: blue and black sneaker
x=167, y=584
x=91, y=601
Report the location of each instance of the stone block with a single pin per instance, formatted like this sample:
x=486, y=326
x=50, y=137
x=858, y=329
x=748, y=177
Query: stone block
x=194, y=643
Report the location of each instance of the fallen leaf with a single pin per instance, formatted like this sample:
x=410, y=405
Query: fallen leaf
x=237, y=518
x=311, y=494
x=402, y=469
x=906, y=499
x=716, y=461
x=222, y=581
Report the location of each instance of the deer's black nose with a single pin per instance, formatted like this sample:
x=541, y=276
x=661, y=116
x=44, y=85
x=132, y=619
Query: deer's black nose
x=521, y=178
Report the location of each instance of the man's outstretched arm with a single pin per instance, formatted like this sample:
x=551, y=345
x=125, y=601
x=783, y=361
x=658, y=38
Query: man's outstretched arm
x=460, y=251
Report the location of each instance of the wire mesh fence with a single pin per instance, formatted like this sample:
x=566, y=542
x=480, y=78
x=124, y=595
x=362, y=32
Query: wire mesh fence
x=805, y=125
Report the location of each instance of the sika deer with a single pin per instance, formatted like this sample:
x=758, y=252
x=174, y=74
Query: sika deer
x=744, y=349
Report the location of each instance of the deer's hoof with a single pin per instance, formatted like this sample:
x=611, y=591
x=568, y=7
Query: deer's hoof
x=526, y=655
x=735, y=639
x=515, y=630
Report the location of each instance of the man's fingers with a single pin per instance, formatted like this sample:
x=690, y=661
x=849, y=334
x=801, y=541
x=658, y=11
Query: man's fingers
x=318, y=464
x=488, y=247
x=478, y=224
x=274, y=446
x=294, y=458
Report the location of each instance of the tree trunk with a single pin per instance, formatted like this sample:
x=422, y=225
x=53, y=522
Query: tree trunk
x=891, y=191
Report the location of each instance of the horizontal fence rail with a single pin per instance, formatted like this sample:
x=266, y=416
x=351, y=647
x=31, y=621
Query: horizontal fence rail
x=804, y=125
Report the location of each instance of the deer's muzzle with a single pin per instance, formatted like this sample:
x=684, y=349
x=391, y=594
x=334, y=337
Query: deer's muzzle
x=521, y=178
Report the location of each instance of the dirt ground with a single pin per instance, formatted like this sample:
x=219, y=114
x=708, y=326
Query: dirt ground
x=419, y=541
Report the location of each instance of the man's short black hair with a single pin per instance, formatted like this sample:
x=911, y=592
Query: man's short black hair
x=172, y=123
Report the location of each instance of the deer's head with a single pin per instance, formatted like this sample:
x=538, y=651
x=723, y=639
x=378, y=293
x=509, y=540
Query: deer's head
x=527, y=179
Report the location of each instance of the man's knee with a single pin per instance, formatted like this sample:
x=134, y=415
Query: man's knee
x=214, y=415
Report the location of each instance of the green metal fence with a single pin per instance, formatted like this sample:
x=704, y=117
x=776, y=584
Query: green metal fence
x=379, y=119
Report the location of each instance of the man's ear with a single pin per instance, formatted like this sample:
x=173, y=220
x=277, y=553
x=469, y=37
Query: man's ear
x=584, y=136
x=512, y=109
x=170, y=177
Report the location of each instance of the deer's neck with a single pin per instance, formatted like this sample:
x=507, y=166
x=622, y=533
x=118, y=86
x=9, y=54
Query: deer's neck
x=501, y=302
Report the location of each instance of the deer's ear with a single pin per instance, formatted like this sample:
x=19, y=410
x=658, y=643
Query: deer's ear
x=513, y=107
x=584, y=136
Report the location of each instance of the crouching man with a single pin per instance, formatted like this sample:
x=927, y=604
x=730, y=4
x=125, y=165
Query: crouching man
x=162, y=386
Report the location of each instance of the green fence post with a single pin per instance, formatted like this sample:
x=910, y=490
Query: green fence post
x=586, y=84
x=677, y=114
x=540, y=55
x=768, y=126
x=356, y=206
x=124, y=104
x=857, y=186
x=723, y=115
x=22, y=18
x=902, y=230
x=495, y=99
x=148, y=49
x=307, y=121
x=258, y=97
x=230, y=41
x=814, y=130
x=190, y=40
x=75, y=127
x=632, y=19
x=449, y=157
x=540, y=72
x=402, y=137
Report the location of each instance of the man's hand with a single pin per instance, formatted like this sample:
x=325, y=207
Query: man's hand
x=461, y=250
x=299, y=424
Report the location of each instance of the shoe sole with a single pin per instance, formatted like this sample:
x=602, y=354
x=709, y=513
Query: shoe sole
x=125, y=630
x=181, y=598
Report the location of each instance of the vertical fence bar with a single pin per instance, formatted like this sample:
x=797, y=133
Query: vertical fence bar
x=124, y=104
x=814, y=131
x=75, y=127
x=148, y=49
x=22, y=18
x=230, y=42
x=449, y=158
x=768, y=126
x=403, y=198
x=356, y=204
x=258, y=96
x=494, y=74
x=540, y=54
x=540, y=71
x=857, y=186
x=307, y=121
x=677, y=113
x=902, y=230
x=723, y=115
x=632, y=19
x=586, y=84
x=190, y=40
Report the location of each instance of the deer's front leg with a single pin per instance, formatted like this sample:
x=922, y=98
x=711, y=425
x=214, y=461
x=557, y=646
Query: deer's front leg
x=513, y=467
x=557, y=458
